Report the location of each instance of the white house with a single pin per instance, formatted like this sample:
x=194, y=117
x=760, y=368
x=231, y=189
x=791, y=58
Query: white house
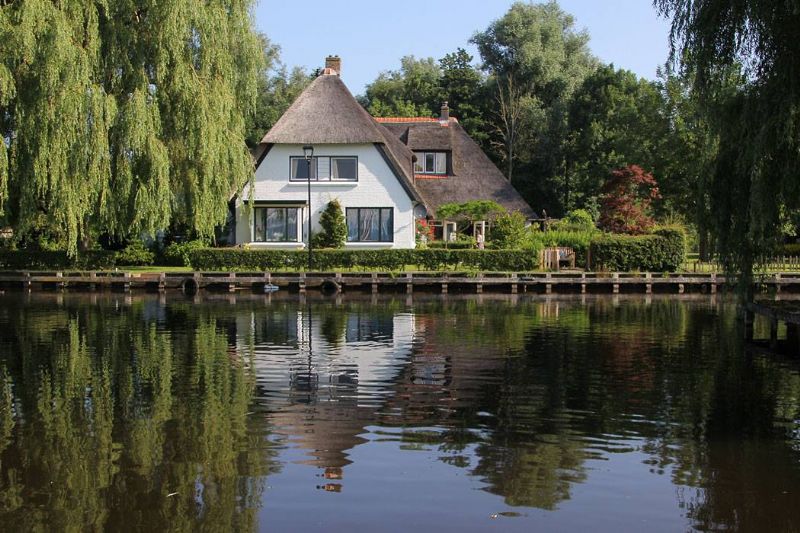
x=377, y=170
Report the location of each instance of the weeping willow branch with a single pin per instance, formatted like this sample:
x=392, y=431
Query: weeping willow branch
x=124, y=117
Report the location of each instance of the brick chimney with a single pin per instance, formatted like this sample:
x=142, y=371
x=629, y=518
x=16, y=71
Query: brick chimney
x=445, y=116
x=334, y=63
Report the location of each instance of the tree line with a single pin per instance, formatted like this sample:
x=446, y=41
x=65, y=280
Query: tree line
x=556, y=119
x=120, y=119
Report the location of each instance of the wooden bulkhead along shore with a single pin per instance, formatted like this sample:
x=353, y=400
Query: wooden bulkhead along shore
x=442, y=282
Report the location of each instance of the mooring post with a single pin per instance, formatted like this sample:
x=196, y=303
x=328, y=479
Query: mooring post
x=548, y=283
x=93, y=283
x=409, y=282
x=681, y=288
x=301, y=284
x=773, y=332
x=583, y=282
x=374, y=282
x=479, y=283
x=231, y=282
x=27, y=283
x=162, y=282
x=714, y=283
x=749, y=318
x=648, y=278
x=615, y=285
x=444, y=283
x=61, y=285
x=126, y=285
x=793, y=336
x=778, y=283
x=514, y=283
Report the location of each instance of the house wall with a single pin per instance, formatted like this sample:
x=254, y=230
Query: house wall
x=377, y=186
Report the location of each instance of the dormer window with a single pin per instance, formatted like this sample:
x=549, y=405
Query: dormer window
x=324, y=168
x=430, y=163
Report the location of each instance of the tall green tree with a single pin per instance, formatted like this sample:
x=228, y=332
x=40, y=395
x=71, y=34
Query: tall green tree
x=413, y=90
x=124, y=117
x=464, y=88
x=536, y=59
x=614, y=119
x=755, y=182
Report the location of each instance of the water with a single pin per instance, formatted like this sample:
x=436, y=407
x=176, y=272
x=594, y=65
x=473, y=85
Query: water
x=457, y=414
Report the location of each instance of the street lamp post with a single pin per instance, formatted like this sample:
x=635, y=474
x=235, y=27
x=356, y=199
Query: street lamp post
x=308, y=152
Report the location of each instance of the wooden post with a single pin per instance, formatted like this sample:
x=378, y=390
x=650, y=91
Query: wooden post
x=548, y=283
x=374, y=283
x=749, y=318
x=648, y=288
x=615, y=285
x=302, y=283
x=778, y=283
x=714, y=283
x=514, y=283
x=231, y=282
x=126, y=285
x=93, y=283
x=162, y=282
x=773, y=333
x=409, y=282
x=479, y=283
x=61, y=285
x=583, y=282
x=27, y=283
x=444, y=283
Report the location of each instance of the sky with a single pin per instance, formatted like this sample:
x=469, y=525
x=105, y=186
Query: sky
x=372, y=35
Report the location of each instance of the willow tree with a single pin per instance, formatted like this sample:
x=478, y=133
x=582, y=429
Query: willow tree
x=124, y=116
x=756, y=183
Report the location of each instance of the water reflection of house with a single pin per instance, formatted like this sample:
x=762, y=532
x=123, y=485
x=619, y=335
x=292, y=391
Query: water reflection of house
x=325, y=375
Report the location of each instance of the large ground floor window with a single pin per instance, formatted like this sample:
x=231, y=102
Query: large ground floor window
x=276, y=224
x=370, y=224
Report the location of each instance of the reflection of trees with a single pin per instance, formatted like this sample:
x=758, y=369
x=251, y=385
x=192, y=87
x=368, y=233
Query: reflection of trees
x=122, y=407
x=122, y=424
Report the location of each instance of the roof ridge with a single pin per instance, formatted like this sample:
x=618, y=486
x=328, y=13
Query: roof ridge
x=412, y=119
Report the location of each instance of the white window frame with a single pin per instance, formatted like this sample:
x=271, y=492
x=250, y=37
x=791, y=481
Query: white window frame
x=439, y=163
x=322, y=168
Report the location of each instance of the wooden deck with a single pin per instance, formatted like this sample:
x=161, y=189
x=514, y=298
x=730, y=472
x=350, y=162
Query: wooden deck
x=547, y=283
x=775, y=312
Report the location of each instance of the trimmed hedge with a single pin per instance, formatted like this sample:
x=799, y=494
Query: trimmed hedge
x=52, y=260
x=265, y=260
x=662, y=251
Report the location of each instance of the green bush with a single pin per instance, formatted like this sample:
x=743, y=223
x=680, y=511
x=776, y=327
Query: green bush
x=456, y=245
x=390, y=260
x=575, y=220
x=661, y=251
x=135, y=254
x=177, y=253
x=56, y=260
x=334, y=227
x=508, y=231
x=791, y=249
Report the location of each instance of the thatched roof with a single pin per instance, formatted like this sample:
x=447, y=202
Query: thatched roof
x=473, y=175
x=325, y=113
